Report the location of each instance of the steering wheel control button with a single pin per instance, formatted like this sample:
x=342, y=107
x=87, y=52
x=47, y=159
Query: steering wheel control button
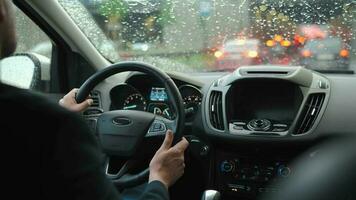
x=259, y=125
x=157, y=127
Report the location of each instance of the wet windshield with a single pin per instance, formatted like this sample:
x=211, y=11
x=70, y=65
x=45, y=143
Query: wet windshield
x=221, y=35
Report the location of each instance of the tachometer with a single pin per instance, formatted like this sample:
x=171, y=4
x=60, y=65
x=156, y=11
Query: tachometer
x=135, y=102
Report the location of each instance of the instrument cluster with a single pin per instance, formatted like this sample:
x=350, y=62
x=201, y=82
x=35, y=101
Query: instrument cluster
x=154, y=99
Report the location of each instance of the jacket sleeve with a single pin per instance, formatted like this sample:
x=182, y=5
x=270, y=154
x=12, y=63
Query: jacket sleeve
x=80, y=162
x=155, y=191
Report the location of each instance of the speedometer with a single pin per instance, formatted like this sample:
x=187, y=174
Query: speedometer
x=135, y=102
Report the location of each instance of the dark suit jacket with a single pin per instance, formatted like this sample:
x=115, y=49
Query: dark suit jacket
x=50, y=153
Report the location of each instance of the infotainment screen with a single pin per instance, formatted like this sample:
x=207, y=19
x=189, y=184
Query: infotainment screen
x=264, y=99
x=158, y=94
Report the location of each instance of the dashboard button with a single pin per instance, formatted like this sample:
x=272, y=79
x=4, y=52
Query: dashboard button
x=236, y=127
x=322, y=84
x=239, y=123
x=284, y=171
x=227, y=166
x=280, y=125
x=240, y=188
x=279, y=130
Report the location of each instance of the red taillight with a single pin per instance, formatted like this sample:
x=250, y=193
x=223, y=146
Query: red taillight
x=306, y=53
x=301, y=40
x=344, y=53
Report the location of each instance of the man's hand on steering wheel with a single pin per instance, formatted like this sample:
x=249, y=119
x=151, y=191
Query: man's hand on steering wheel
x=69, y=102
x=167, y=165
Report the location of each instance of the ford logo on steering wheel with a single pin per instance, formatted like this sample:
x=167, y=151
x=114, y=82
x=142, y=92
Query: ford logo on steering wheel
x=121, y=121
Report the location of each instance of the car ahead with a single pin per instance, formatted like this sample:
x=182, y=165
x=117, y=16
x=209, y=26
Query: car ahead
x=325, y=54
x=238, y=52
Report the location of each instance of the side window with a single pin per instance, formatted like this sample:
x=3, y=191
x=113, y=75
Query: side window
x=33, y=46
x=30, y=38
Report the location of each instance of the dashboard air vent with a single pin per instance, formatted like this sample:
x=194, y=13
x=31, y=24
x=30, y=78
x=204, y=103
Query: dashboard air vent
x=215, y=110
x=96, y=99
x=95, y=108
x=310, y=112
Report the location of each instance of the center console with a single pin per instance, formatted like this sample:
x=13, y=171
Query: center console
x=273, y=106
x=264, y=107
x=265, y=101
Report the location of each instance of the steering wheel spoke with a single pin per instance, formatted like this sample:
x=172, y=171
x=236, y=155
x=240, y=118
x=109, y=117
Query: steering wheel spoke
x=124, y=169
x=92, y=121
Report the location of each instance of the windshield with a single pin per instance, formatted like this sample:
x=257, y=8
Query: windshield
x=221, y=35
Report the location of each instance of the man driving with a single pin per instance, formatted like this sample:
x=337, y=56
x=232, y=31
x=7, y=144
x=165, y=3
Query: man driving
x=50, y=152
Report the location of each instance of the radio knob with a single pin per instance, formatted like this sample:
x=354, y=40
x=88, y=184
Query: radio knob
x=227, y=166
x=259, y=123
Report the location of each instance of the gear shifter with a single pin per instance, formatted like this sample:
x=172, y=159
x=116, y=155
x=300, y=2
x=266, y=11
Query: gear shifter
x=211, y=195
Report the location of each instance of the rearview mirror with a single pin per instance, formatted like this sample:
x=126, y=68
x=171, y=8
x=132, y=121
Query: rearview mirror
x=22, y=70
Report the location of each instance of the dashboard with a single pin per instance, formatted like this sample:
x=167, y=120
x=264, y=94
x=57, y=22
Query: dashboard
x=225, y=103
x=143, y=93
x=247, y=125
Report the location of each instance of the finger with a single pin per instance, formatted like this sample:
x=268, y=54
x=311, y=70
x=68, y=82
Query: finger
x=84, y=105
x=73, y=91
x=62, y=102
x=182, y=145
x=168, y=140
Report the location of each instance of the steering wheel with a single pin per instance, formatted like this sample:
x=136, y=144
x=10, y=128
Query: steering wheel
x=326, y=172
x=122, y=131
